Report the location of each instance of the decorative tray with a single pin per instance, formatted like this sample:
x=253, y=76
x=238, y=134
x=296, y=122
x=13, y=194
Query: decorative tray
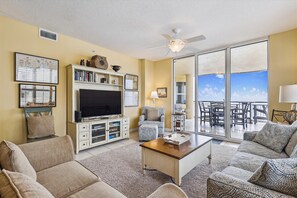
x=177, y=138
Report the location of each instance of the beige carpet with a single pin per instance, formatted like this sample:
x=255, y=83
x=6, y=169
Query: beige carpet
x=121, y=168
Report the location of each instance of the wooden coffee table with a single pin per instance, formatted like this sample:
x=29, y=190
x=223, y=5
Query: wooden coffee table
x=176, y=161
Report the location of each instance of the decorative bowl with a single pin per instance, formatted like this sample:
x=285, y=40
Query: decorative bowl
x=116, y=68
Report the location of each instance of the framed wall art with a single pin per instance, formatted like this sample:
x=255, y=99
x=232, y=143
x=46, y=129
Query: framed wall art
x=37, y=69
x=131, y=98
x=131, y=82
x=162, y=92
x=34, y=95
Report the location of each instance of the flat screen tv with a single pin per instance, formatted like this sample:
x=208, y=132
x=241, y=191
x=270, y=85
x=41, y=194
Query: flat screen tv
x=100, y=103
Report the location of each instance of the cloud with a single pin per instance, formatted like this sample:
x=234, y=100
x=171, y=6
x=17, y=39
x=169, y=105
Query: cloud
x=221, y=76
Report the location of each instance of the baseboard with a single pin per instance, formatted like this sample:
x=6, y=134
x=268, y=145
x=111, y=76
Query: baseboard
x=168, y=130
x=133, y=130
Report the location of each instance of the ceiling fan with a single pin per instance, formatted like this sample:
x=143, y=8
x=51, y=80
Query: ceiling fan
x=176, y=43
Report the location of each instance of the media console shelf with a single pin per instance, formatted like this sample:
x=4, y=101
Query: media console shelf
x=91, y=133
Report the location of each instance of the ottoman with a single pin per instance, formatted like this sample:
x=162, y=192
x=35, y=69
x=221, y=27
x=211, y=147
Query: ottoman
x=148, y=132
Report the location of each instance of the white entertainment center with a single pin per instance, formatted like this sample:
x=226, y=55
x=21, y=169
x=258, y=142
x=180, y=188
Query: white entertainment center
x=95, y=131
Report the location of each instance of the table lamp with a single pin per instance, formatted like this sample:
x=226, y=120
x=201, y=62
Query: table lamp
x=288, y=94
x=154, y=96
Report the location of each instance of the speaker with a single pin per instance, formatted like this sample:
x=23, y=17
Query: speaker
x=77, y=116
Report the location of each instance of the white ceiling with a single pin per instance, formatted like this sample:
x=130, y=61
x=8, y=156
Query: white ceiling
x=132, y=27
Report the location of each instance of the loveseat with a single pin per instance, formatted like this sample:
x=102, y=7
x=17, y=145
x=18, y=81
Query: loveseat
x=234, y=180
x=55, y=173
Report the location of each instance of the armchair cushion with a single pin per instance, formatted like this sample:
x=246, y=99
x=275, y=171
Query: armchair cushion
x=152, y=114
x=12, y=158
x=275, y=136
x=277, y=174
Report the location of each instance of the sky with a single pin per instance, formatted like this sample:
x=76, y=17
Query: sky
x=251, y=86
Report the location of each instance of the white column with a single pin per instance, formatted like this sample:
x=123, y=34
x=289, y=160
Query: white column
x=189, y=96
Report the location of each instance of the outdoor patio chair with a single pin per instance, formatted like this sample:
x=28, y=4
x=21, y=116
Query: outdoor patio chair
x=204, y=112
x=240, y=114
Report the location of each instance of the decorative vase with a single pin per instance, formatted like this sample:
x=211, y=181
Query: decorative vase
x=116, y=68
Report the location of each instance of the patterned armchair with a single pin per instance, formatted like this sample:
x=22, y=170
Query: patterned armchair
x=145, y=116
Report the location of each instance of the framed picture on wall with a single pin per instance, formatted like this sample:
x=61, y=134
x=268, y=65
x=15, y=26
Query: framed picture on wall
x=131, y=82
x=34, y=95
x=131, y=98
x=162, y=92
x=37, y=69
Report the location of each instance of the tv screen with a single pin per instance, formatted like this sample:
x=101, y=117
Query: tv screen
x=100, y=103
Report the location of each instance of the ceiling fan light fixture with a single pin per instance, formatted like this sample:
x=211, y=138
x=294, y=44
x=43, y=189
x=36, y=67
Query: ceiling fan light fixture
x=176, y=45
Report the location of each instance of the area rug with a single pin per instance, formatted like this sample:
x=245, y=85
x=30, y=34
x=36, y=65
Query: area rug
x=121, y=169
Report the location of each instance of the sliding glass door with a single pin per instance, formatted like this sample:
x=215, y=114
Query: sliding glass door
x=227, y=88
x=211, y=93
x=249, y=88
x=184, y=90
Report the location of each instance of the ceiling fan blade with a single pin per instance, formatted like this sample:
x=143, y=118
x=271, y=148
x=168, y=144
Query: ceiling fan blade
x=194, y=39
x=156, y=47
x=191, y=49
x=168, y=37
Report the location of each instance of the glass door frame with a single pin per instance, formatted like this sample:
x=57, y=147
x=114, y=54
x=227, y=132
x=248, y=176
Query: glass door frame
x=227, y=101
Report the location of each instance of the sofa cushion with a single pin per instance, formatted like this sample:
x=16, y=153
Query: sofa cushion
x=247, y=161
x=98, y=189
x=12, y=158
x=48, y=153
x=275, y=136
x=65, y=179
x=168, y=190
x=291, y=144
x=278, y=174
x=14, y=184
x=152, y=114
x=40, y=126
x=237, y=173
x=258, y=149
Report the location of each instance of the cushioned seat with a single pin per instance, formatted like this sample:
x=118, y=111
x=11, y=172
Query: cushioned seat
x=247, y=161
x=237, y=173
x=159, y=124
x=258, y=149
x=65, y=179
x=98, y=189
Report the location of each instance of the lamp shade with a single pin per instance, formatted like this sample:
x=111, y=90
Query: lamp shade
x=288, y=93
x=154, y=95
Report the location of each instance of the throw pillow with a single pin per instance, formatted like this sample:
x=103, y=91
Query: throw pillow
x=153, y=114
x=277, y=174
x=40, y=126
x=294, y=153
x=13, y=184
x=12, y=158
x=275, y=136
x=291, y=144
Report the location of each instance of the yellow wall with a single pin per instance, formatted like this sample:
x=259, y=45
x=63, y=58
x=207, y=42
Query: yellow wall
x=163, y=78
x=147, y=81
x=20, y=37
x=282, y=65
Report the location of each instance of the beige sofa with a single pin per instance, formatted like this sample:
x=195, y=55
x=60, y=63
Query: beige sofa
x=57, y=171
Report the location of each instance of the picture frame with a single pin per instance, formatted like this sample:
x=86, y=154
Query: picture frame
x=131, y=82
x=131, y=98
x=36, y=69
x=162, y=92
x=37, y=95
